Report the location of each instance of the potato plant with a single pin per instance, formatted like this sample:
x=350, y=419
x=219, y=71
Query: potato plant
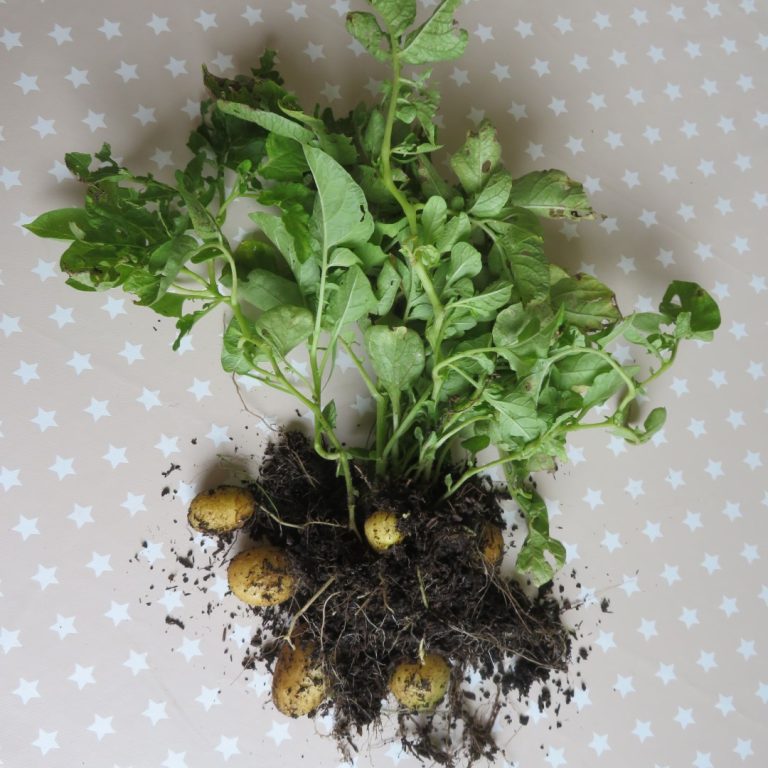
x=434, y=285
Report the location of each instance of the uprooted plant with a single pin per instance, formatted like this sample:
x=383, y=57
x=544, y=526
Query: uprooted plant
x=465, y=337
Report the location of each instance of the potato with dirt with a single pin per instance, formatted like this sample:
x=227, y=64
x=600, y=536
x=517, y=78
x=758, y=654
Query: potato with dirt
x=421, y=685
x=382, y=530
x=221, y=510
x=262, y=576
x=298, y=683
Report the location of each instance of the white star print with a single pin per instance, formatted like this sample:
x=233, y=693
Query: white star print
x=155, y=711
x=46, y=741
x=82, y=676
x=110, y=29
x=136, y=662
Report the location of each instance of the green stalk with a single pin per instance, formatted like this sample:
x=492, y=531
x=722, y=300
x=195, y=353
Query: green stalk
x=386, y=144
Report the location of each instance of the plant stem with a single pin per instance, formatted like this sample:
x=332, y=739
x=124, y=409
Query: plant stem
x=386, y=144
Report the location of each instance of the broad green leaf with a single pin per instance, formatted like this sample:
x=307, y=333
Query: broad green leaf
x=373, y=136
x=285, y=327
x=493, y=197
x=681, y=297
x=577, y=372
x=365, y=29
x=551, y=194
x=387, y=286
x=285, y=160
x=201, y=218
x=654, y=422
x=330, y=413
x=436, y=39
x=236, y=351
x=343, y=258
x=341, y=210
x=265, y=290
x=521, y=248
x=397, y=356
x=399, y=14
x=525, y=335
x=456, y=229
x=532, y=558
x=589, y=304
x=167, y=260
x=274, y=228
x=351, y=300
x=269, y=121
x=477, y=159
x=433, y=218
x=484, y=306
x=518, y=417
x=465, y=262
x=606, y=385
x=61, y=224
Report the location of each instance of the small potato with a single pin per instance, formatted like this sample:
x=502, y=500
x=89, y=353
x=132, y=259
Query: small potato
x=298, y=683
x=221, y=510
x=491, y=543
x=262, y=576
x=382, y=530
x=420, y=686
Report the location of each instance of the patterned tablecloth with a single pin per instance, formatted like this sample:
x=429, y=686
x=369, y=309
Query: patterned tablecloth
x=660, y=108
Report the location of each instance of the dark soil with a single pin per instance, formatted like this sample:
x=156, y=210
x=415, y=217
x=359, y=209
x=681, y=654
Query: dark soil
x=433, y=592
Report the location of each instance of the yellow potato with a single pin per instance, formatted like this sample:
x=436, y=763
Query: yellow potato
x=221, y=510
x=262, y=576
x=382, y=531
x=420, y=686
x=298, y=683
x=491, y=543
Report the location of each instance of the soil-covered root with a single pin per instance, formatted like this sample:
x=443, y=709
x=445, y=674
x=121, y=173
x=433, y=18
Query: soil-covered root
x=436, y=591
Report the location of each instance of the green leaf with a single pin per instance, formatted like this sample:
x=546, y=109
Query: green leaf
x=589, y=304
x=433, y=218
x=456, y=229
x=518, y=418
x=436, y=39
x=484, y=306
x=493, y=197
x=285, y=160
x=284, y=327
x=351, y=300
x=201, y=218
x=61, y=224
x=577, y=372
x=521, y=248
x=606, y=385
x=330, y=413
x=234, y=357
x=343, y=258
x=683, y=297
x=365, y=29
x=387, y=286
x=399, y=14
x=397, y=356
x=532, y=558
x=167, y=260
x=654, y=422
x=269, y=121
x=551, y=194
x=465, y=262
x=477, y=159
x=265, y=290
x=341, y=210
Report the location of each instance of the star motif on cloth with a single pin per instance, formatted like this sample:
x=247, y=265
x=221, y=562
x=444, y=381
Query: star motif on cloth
x=145, y=115
x=97, y=409
x=127, y=72
x=297, y=11
x=175, y=760
x=99, y=564
x=101, y=726
x=555, y=757
x=110, y=29
x=82, y=676
x=63, y=626
x=46, y=741
x=207, y=20
x=599, y=744
x=27, y=690
x=152, y=551
x=642, y=730
x=158, y=24
x=209, y=697
x=666, y=673
x=279, y=732
x=189, y=649
x=227, y=747
x=252, y=15
x=117, y=613
x=81, y=515
x=136, y=662
x=115, y=456
x=155, y=711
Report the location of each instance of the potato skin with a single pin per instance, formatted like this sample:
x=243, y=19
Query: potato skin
x=221, y=510
x=491, y=543
x=298, y=682
x=262, y=576
x=382, y=531
x=419, y=686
